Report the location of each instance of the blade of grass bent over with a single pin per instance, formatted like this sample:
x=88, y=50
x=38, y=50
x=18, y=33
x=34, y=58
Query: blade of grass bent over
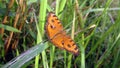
x=26, y=56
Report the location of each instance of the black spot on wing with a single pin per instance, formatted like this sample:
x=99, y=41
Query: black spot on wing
x=52, y=21
x=59, y=23
x=54, y=15
x=52, y=27
x=56, y=19
x=73, y=44
x=75, y=48
x=69, y=45
x=71, y=40
x=62, y=42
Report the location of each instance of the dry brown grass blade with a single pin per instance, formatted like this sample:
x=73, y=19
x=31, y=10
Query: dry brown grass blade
x=23, y=17
x=20, y=17
x=11, y=33
x=79, y=14
x=6, y=16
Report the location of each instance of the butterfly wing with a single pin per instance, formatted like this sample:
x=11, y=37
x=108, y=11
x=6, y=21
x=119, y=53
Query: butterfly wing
x=56, y=34
x=65, y=42
x=53, y=25
x=58, y=41
x=70, y=45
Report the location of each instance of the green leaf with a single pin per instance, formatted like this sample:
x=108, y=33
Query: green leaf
x=9, y=28
x=26, y=56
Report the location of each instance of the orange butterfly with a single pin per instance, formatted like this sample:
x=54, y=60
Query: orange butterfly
x=56, y=34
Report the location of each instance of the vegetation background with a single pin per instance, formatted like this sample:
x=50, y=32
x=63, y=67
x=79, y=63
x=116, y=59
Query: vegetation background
x=93, y=24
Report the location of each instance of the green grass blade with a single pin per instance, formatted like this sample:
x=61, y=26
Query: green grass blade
x=82, y=57
x=105, y=34
x=107, y=52
x=42, y=16
x=9, y=28
x=72, y=35
x=26, y=56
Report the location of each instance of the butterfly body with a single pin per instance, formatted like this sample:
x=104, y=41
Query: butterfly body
x=56, y=34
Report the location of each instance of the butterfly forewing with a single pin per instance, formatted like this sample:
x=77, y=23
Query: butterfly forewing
x=53, y=25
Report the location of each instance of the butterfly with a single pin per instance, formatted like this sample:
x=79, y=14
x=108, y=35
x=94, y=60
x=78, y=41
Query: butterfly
x=57, y=35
